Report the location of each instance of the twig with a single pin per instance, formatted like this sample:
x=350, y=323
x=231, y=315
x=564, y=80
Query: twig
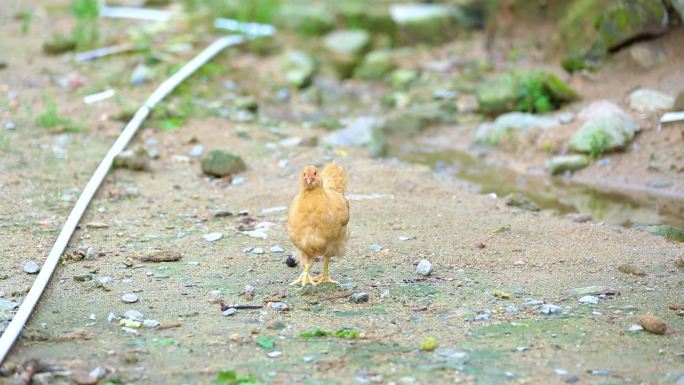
x=160, y=256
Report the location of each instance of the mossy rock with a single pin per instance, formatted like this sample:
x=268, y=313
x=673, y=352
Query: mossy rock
x=426, y=23
x=592, y=28
x=361, y=14
x=345, y=48
x=299, y=68
x=305, y=18
x=376, y=65
x=220, y=163
x=559, y=164
x=604, y=133
x=59, y=44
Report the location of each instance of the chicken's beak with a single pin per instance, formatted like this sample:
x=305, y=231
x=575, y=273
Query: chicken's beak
x=308, y=179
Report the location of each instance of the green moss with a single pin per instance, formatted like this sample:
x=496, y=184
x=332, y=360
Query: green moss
x=52, y=119
x=86, y=31
x=599, y=141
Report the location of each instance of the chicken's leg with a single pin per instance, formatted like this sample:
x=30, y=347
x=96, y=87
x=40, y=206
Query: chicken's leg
x=304, y=278
x=325, y=275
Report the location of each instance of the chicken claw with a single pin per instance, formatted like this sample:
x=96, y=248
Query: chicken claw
x=324, y=279
x=304, y=278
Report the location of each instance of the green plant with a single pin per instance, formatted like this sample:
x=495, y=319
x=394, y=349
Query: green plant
x=534, y=96
x=347, y=334
x=260, y=11
x=26, y=17
x=51, y=119
x=229, y=377
x=598, y=142
x=86, y=13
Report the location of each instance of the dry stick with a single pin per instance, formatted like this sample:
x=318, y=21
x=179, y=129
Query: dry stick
x=15, y=327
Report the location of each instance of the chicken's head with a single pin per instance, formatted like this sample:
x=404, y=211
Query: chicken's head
x=310, y=178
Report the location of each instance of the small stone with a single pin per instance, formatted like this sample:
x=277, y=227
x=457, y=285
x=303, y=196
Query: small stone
x=31, y=267
x=134, y=315
x=220, y=163
x=600, y=372
x=559, y=164
x=645, y=100
x=230, y=311
x=257, y=250
x=282, y=306
x=484, y=316
x=348, y=286
x=249, y=289
x=385, y=294
x=105, y=280
x=221, y=213
x=130, y=330
x=91, y=253
x=522, y=348
x=197, y=151
x=652, y=324
x=111, y=318
x=274, y=354
x=215, y=293
x=212, y=237
x=10, y=125
x=635, y=328
x=141, y=74
x=98, y=373
x=572, y=379
x=8, y=305
x=129, y=298
x=83, y=277
x=424, y=268
x=561, y=372
x=403, y=238
x=375, y=247
x=550, y=309
x=511, y=309
x=97, y=225
x=276, y=249
x=428, y=344
x=532, y=304
x=290, y=261
x=308, y=359
x=130, y=323
x=589, y=299
x=359, y=297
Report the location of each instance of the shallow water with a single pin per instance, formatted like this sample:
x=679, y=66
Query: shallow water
x=553, y=193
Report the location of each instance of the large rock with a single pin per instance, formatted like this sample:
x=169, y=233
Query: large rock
x=345, y=49
x=367, y=15
x=599, y=108
x=305, y=18
x=376, y=65
x=645, y=100
x=559, y=164
x=529, y=91
x=604, y=133
x=511, y=124
x=425, y=23
x=299, y=68
x=222, y=163
x=591, y=28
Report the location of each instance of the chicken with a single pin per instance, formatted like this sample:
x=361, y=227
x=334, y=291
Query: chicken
x=317, y=220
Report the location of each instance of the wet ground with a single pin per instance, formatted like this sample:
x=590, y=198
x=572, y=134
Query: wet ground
x=497, y=269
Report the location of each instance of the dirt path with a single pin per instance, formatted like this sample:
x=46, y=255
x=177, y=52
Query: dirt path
x=478, y=246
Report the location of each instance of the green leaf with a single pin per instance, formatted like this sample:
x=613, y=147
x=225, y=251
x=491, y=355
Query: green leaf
x=347, y=334
x=164, y=342
x=265, y=342
x=229, y=377
x=318, y=332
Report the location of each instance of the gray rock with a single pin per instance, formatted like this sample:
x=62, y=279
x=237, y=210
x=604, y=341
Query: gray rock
x=348, y=286
x=249, y=289
x=151, y=323
x=257, y=250
x=424, y=268
x=550, y=309
x=359, y=297
x=30, y=267
x=106, y=280
x=98, y=373
x=589, y=299
x=8, y=305
x=635, y=328
x=598, y=109
x=212, y=237
x=221, y=213
x=559, y=164
x=532, y=304
x=276, y=249
x=305, y=18
x=197, y=151
x=129, y=298
x=83, y=277
x=512, y=124
x=511, y=309
x=645, y=100
x=134, y=159
x=10, y=125
x=220, y=163
x=111, y=318
x=215, y=293
x=230, y=311
x=345, y=49
x=605, y=133
x=375, y=247
x=647, y=55
x=141, y=74
x=279, y=306
x=580, y=217
x=134, y=315
x=356, y=133
x=274, y=354
x=484, y=316
x=91, y=253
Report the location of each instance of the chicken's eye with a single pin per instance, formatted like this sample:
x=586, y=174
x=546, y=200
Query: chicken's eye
x=315, y=172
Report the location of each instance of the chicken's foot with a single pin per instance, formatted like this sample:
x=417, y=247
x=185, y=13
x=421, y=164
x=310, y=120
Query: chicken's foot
x=305, y=277
x=325, y=275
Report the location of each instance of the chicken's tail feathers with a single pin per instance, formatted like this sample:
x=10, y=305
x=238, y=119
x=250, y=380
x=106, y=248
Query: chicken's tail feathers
x=334, y=178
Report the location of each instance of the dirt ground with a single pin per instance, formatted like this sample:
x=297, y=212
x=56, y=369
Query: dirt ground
x=487, y=257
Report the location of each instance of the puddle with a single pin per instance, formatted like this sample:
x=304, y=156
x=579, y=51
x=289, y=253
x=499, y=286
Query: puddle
x=553, y=193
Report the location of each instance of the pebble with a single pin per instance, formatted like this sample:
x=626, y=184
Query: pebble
x=220, y=213
x=561, y=372
x=98, y=373
x=91, y=253
x=249, y=289
x=572, y=379
x=129, y=298
x=10, y=125
x=549, y=309
x=238, y=180
x=83, y=277
x=276, y=249
x=600, y=372
x=212, y=237
x=215, y=293
x=283, y=163
x=511, y=309
x=522, y=348
x=424, y=268
x=385, y=294
x=230, y=311
x=30, y=267
x=403, y=238
x=359, y=297
x=257, y=250
x=279, y=305
x=533, y=303
x=274, y=354
x=8, y=305
x=133, y=315
x=635, y=328
x=308, y=359
x=197, y=151
x=484, y=316
x=111, y=318
x=106, y=280
x=290, y=261
x=130, y=323
x=129, y=330
x=375, y=247
x=589, y=299
x=348, y=286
